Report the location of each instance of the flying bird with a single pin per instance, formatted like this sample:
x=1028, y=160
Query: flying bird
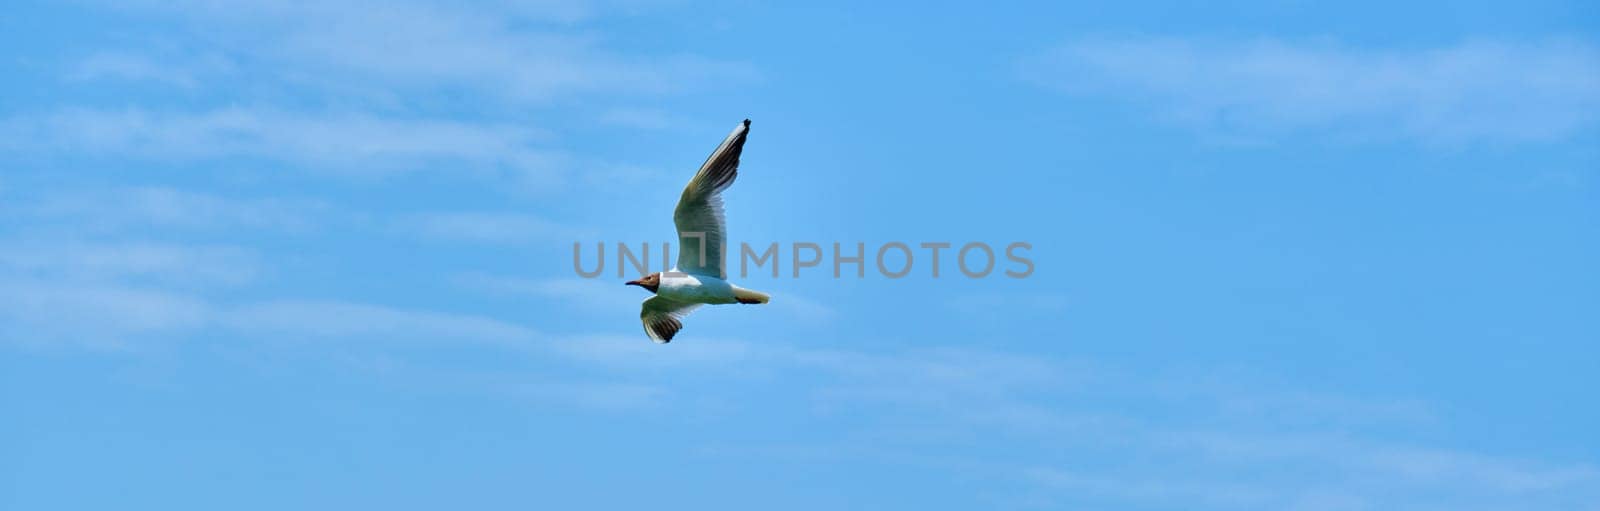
x=698, y=279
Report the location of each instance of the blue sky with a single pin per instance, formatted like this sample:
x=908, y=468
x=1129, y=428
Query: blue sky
x=262, y=255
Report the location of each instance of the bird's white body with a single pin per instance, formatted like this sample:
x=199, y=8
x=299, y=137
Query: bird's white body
x=690, y=288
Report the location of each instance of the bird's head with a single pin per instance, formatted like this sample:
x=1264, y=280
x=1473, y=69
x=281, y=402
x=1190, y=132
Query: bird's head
x=650, y=282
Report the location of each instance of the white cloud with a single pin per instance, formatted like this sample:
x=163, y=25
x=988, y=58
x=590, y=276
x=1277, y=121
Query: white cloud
x=349, y=142
x=335, y=86
x=983, y=304
x=1381, y=473
x=172, y=264
x=116, y=209
x=599, y=395
x=944, y=370
x=1173, y=448
x=511, y=51
x=97, y=316
x=802, y=308
x=636, y=352
x=113, y=316
x=130, y=67
x=335, y=320
x=593, y=294
x=1495, y=91
x=641, y=118
x=1168, y=490
x=920, y=397
x=487, y=227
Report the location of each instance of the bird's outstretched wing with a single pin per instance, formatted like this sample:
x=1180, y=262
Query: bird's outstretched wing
x=702, y=232
x=663, y=317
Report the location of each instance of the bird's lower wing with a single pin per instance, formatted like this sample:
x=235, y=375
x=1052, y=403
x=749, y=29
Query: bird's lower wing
x=663, y=318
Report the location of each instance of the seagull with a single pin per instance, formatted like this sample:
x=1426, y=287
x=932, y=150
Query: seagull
x=698, y=279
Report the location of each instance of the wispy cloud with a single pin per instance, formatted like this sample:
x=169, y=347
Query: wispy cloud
x=347, y=321
x=642, y=118
x=1359, y=473
x=364, y=63
x=487, y=227
x=1177, y=451
x=803, y=308
x=1014, y=301
x=598, y=395
x=513, y=51
x=172, y=264
x=1494, y=91
x=94, y=315
x=134, y=67
x=590, y=293
x=1184, y=448
x=610, y=351
x=166, y=208
x=1163, y=490
x=353, y=143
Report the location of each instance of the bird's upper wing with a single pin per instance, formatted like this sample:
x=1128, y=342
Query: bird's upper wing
x=702, y=233
x=662, y=317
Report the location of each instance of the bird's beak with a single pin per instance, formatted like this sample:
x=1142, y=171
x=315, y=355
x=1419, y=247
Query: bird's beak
x=632, y=283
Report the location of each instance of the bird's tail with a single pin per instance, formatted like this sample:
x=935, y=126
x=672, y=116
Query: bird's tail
x=749, y=297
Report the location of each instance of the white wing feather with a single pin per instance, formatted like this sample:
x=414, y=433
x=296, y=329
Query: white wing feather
x=702, y=229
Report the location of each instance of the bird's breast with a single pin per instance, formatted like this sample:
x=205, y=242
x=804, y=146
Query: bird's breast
x=687, y=287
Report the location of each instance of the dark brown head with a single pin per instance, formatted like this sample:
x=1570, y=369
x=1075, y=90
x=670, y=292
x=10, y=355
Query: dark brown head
x=651, y=282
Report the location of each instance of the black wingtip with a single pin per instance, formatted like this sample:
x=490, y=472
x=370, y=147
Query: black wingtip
x=747, y=123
